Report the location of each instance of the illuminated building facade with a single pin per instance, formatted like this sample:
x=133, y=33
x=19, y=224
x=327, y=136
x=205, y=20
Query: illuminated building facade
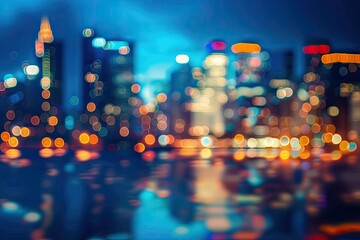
x=250, y=89
x=210, y=96
x=110, y=95
x=343, y=91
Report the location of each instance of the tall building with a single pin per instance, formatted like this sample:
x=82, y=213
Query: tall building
x=210, y=96
x=50, y=61
x=110, y=94
x=252, y=67
x=180, y=86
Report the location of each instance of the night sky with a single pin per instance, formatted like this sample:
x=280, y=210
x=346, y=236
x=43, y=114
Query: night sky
x=161, y=29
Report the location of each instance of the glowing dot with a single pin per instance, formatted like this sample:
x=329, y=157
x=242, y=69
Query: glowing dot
x=206, y=141
x=32, y=217
x=344, y=145
x=88, y=32
x=304, y=140
x=124, y=131
x=182, y=58
x=93, y=139
x=25, y=132
x=352, y=147
x=46, y=142
x=252, y=142
x=284, y=141
x=13, y=142
x=53, y=121
x=35, y=120
x=16, y=130
x=74, y=100
x=135, y=88
x=5, y=136
x=139, y=147
x=45, y=83
x=45, y=94
x=59, y=142
x=284, y=155
x=84, y=138
x=333, y=111
x=98, y=42
x=91, y=107
x=149, y=139
x=31, y=70
x=336, y=138
x=161, y=97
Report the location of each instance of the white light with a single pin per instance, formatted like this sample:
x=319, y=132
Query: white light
x=10, y=82
x=182, y=58
x=31, y=70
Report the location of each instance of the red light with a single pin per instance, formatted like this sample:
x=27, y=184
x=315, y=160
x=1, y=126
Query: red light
x=323, y=49
x=316, y=49
x=311, y=49
x=218, y=46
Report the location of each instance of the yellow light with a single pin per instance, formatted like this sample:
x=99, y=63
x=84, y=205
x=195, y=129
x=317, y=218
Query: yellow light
x=245, y=48
x=84, y=138
x=149, y=139
x=205, y=153
x=13, y=142
x=45, y=34
x=13, y=153
x=284, y=155
x=46, y=142
x=5, y=136
x=327, y=137
x=25, y=132
x=344, y=146
x=139, y=147
x=53, y=121
x=59, y=142
x=239, y=155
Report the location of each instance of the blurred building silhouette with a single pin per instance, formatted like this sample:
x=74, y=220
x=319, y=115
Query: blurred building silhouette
x=252, y=68
x=180, y=87
x=210, y=94
x=110, y=93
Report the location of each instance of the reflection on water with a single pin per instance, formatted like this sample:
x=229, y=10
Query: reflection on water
x=211, y=194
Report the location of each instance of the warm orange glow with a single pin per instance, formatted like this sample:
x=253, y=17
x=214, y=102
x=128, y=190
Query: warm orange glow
x=124, y=132
x=139, y=147
x=84, y=138
x=149, y=139
x=53, y=121
x=45, y=34
x=46, y=153
x=13, y=153
x=340, y=58
x=344, y=145
x=13, y=142
x=245, y=48
x=93, y=139
x=59, y=142
x=91, y=107
x=5, y=136
x=239, y=155
x=135, y=88
x=46, y=142
x=143, y=110
x=304, y=140
x=45, y=94
x=161, y=97
x=83, y=155
x=25, y=132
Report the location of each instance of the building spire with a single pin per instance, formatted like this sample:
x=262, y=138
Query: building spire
x=45, y=34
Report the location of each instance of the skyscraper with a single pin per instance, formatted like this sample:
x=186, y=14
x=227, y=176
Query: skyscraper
x=210, y=96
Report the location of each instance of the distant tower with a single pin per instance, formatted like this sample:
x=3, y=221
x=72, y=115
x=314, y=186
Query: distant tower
x=50, y=62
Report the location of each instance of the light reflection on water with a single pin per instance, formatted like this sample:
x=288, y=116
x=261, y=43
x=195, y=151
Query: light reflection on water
x=183, y=194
